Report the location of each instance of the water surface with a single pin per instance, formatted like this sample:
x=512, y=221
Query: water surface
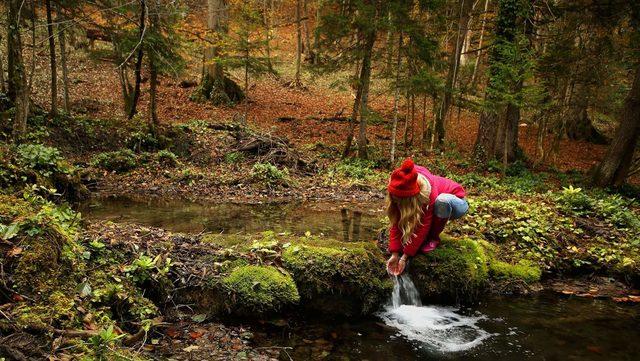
x=542, y=327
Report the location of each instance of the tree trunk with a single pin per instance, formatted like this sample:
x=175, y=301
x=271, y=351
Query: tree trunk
x=296, y=81
x=153, y=92
x=479, y=52
x=307, y=36
x=614, y=168
x=396, y=99
x=352, y=122
x=316, y=36
x=267, y=6
x=3, y=88
x=484, y=148
x=365, y=79
x=138, y=68
x=454, y=63
x=18, y=90
x=216, y=86
x=63, y=61
x=154, y=20
x=52, y=57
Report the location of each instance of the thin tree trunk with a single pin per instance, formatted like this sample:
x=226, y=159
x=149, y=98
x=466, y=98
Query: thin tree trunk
x=424, y=123
x=154, y=19
x=267, y=10
x=153, y=92
x=365, y=78
x=138, y=68
x=307, y=36
x=316, y=36
x=63, y=61
x=3, y=87
x=352, y=121
x=18, y=90
x=479, y=52
x=52, y=57
x=396, y=98
x=454, y=62
x=614, y=168
x=296, y=81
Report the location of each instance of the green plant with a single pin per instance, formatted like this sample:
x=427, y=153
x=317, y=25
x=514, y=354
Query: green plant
x=270, y=174
x=145, y=268
x=234, y=157
x=104, y=340
x=119, y=161
x=139, y=141
x=167, y=158
x=189, y=176
x=574, y=200
x=40, y=158
x=356, y=168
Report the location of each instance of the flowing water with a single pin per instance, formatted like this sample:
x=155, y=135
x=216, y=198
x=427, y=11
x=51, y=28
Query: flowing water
x=542, y=327
x=443, y=329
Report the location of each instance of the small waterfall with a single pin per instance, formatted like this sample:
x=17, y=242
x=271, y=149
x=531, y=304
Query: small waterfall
x=440, y=329
x=404, y=292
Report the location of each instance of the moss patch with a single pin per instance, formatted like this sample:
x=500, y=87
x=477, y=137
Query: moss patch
x=260, y=289
x=524, y=270
x=456, y=270
x=338, y=277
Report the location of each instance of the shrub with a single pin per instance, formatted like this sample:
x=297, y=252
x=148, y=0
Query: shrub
x=43, y=159
x=119, y=161
x=574, y=200
x=356, y=168
x=270, y=174
x=139, y=141
x=167, y=158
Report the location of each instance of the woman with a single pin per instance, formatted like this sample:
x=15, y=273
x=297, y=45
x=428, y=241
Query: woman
x=419, y=204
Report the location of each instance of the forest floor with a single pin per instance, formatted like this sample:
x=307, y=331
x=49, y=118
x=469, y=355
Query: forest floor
x=585, y=242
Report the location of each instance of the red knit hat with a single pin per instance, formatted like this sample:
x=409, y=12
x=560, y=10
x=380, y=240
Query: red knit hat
x=404, y=180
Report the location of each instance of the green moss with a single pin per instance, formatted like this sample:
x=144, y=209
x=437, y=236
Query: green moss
x=456, y=270
x=224, y=240
x=338, y=277
x=260, y=289
x=524, y=270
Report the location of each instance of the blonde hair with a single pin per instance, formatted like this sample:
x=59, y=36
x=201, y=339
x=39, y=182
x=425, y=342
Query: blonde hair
x=406, y=212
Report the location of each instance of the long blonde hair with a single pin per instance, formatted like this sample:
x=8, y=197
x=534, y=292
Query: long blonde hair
x=406, y=212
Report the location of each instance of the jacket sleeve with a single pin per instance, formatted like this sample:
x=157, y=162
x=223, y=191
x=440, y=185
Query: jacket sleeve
x=419, y=234
x=454, y=188
x=395, y=239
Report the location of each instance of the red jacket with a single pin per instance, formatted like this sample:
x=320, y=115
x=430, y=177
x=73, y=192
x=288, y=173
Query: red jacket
x=430, y=226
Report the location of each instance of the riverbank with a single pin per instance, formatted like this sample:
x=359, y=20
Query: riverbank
x=99, y=289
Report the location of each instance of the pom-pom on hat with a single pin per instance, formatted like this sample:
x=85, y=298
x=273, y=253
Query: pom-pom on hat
x=404, y=180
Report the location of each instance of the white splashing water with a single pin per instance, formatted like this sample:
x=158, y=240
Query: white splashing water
x=441, y=329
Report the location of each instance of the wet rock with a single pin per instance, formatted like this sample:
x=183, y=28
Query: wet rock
x=345, y=278
x=455, y=271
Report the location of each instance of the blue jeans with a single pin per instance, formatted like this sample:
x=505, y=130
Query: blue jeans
x=450, y=207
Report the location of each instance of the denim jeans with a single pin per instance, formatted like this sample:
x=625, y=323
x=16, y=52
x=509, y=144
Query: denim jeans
x=450, y=207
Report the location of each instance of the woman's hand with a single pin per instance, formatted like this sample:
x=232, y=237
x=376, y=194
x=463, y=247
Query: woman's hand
x=392, y=264
x=396, y=264
x=402, y=263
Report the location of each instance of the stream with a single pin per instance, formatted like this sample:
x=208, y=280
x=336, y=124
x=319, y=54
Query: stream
x=541, y=327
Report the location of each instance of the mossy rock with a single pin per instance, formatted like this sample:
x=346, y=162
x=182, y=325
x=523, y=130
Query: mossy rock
x=455, y=271
x=522, y=271
x=341, y=278
x=260, y=289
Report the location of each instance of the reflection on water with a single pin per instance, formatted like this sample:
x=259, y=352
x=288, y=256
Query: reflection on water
x=337, y=221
